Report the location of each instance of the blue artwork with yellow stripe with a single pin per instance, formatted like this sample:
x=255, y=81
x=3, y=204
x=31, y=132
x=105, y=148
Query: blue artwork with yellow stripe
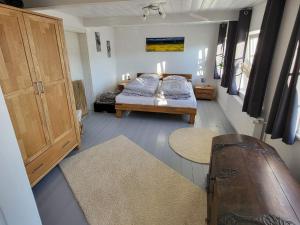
x=165, y=44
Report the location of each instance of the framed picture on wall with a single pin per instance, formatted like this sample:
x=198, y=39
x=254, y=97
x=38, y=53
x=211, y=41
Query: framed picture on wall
x=165, y=44
x=108, y=49
x=98, y=41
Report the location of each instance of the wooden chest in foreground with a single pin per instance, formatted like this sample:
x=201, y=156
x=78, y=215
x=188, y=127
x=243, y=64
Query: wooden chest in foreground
x=249, y=184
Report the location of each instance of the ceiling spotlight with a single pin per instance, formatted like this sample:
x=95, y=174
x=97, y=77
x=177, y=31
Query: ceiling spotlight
x=156, y=8
x=161, y=13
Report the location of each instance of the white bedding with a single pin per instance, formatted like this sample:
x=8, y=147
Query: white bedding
x=140, y=100
x=159, y=101
x=188, y=103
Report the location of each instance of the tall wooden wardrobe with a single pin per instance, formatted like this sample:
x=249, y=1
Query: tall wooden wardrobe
x=35, y=80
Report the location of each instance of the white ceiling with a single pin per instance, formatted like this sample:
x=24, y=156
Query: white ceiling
x=134, y=7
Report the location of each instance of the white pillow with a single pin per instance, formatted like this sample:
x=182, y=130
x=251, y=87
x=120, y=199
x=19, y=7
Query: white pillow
x=154, y=75
x=174, y=77
x=150, y=75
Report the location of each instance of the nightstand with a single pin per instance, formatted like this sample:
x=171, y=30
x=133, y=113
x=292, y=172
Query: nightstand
x=122, y=84
x=206, y=92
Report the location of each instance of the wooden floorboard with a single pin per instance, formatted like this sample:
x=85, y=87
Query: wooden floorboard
x=55, y=201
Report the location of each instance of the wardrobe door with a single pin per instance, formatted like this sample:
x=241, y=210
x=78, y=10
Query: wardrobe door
x=45, y=44
x=17, y=80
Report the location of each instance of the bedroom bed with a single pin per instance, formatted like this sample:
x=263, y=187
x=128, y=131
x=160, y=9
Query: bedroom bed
x=159, y=103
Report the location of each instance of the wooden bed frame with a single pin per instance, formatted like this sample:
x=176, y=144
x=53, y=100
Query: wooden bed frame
x=120, y=107
x=163, y=75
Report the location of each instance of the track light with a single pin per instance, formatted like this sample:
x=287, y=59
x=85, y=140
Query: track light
x=156, y=8
x=161, y=13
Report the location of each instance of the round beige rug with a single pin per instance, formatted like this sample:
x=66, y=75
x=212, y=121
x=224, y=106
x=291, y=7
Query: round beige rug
x=193, y=143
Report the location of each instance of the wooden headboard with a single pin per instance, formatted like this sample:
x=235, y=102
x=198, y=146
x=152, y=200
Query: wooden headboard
x=163, y=75
x=187, y=76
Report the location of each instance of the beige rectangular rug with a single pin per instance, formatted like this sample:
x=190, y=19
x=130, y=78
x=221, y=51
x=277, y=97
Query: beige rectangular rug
x=119, y=183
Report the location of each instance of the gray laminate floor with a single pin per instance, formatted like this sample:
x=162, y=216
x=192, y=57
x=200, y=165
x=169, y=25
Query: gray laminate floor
x=55, y=201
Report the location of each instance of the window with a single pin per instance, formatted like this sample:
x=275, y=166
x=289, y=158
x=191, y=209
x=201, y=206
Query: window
x=249, y=57
x=298, y=120
x=220, y=58
x=298, y=91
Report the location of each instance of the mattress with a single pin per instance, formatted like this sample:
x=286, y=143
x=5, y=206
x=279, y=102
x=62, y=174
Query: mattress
x=159, y=101
x=139, y=100
x=187, y=103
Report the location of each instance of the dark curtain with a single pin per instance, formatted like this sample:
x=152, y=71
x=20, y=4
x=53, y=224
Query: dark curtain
x=282, y=122
x=240, y=50
x=220, y=50
x=229, y=53
x=258, y=79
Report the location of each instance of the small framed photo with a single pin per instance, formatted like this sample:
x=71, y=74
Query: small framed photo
x=108, y=49
x=98, y=41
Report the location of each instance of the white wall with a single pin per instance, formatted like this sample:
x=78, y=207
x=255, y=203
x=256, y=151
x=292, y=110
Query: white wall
x=232, y=107
x=257, y=16
x=71, y=23
x=17, y=205
x=74, y=55
x=87, y=74
x=132, y=57
x=79, y=63
x=103, y=68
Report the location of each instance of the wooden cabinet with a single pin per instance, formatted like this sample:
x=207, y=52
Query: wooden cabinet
x=34, y=77
x=248, y=183
x=45, y=44
x=206, y=92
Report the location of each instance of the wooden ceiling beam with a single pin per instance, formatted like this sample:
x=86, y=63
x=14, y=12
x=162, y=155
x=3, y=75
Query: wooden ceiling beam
x=56, y=3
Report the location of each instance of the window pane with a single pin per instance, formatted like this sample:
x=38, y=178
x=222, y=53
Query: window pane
x=298, y=87
x=253, y=44
x=220, y=49
x=294, y=59
x=220, y=59
x=298, y=120
x=244, y=83
x=249, y=57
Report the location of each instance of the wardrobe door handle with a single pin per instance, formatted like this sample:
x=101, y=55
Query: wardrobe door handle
x=43, y=87
x=42, y=90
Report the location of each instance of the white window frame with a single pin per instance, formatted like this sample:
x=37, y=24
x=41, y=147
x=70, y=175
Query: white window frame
x=298, y=89
x=298, y=132
x=246, y=67
x=298, y=119
x=221, y=54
